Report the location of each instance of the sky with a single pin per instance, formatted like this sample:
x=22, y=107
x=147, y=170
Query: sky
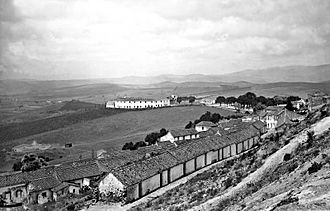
x=66, y=39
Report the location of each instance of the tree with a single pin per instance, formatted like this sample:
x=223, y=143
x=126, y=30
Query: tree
x=206, y=116
x=189, y=125
x=179, y=100
x=215, y=117
x=140, y=144
x=192, y=99
x=127, y=146
x=231, y=100
x=162, y=132
x=31, y=162
x=151, y=138
x=262, y=100
x=289, y=106
x=293, y=98
x=17, y=166
x=220, y=99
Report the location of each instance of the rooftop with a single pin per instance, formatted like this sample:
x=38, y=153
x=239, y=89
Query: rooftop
x=44, y=183
x=183, y=132
x=136, y=99
x=206, y=124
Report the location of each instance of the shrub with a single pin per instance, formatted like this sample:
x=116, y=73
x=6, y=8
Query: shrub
x=287, y=157
x=314, y=168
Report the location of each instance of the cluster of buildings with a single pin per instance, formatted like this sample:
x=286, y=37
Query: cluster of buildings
x=134, y=174
x=317, y=99
x=137, y=103
x=276, y=117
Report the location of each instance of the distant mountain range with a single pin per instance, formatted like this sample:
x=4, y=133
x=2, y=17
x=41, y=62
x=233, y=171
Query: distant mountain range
x=270, y=75
x=297, y=80
x=317, y=74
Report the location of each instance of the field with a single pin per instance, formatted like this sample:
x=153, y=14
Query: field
x=111, y=132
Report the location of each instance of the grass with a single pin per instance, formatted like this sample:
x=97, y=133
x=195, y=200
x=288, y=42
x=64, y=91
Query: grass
x=113, y=131
x=110, y=132
x=24, y=129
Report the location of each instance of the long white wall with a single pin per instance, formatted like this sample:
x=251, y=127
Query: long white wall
x=138, y=104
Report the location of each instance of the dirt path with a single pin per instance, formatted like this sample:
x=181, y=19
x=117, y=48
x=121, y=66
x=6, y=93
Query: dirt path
x=271, y=163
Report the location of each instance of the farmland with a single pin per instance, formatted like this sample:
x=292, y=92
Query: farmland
x=111, y=132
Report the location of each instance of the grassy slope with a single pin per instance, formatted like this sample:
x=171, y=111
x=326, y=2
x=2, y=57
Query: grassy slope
x=113, y=131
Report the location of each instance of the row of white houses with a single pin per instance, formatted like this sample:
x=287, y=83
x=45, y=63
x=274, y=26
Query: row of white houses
x=137, y=103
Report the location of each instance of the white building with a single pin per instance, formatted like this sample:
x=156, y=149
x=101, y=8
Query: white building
x=180, y=134
x=204, y=126
x=137, y=103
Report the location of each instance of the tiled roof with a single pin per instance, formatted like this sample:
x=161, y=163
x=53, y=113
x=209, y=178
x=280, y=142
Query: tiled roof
x=183, y=132
x=64, y=185
x=206, y=124
x=258, y=124
x=197, y=147
x=73, y=172
x=16, y=178
x=60, y=186
x=287, y=117
x=137, y=99
x=141, y=170
x=44, y=183
x=13, y=179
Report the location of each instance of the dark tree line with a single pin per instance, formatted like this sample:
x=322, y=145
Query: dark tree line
x=150, y=139
x=251, y=100
x=190, y=99
x=211, y=117
x=30, y=162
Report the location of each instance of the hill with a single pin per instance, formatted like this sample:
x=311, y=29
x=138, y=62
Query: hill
x=282, y=74
x=56, y=88
x=318, y=73
x=110, y=131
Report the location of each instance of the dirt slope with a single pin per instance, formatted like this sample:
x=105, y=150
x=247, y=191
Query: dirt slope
x=296, y=189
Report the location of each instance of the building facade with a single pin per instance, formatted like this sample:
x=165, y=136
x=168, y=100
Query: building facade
x=180, y=135
x=137, y=103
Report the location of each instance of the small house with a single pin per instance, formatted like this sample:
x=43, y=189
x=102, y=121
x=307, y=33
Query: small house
x=180, y=134
x=80, y=172
x=204, y=126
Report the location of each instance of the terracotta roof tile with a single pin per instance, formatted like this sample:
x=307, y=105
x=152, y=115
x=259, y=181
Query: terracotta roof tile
x=206, y=124
x=183, y=132
x=44, y=183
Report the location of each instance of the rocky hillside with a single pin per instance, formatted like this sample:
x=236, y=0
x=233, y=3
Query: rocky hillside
x=287, y=172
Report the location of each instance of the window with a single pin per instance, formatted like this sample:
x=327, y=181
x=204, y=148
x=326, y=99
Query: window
x=44, y=194
x=74, y=191
x=19, y=193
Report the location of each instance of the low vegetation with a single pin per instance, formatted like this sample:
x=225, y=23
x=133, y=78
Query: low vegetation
x=30, y=162
x=189, y=99
x=251, y=100
x=150, y=139
x=24, y=129
x=211, y=117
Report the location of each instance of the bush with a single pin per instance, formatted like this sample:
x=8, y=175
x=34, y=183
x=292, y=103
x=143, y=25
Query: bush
x=127, y=146
x=287, y=157
x=314, y=168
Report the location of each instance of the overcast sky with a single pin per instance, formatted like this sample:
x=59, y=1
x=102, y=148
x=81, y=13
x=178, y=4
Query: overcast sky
x=113, y=38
